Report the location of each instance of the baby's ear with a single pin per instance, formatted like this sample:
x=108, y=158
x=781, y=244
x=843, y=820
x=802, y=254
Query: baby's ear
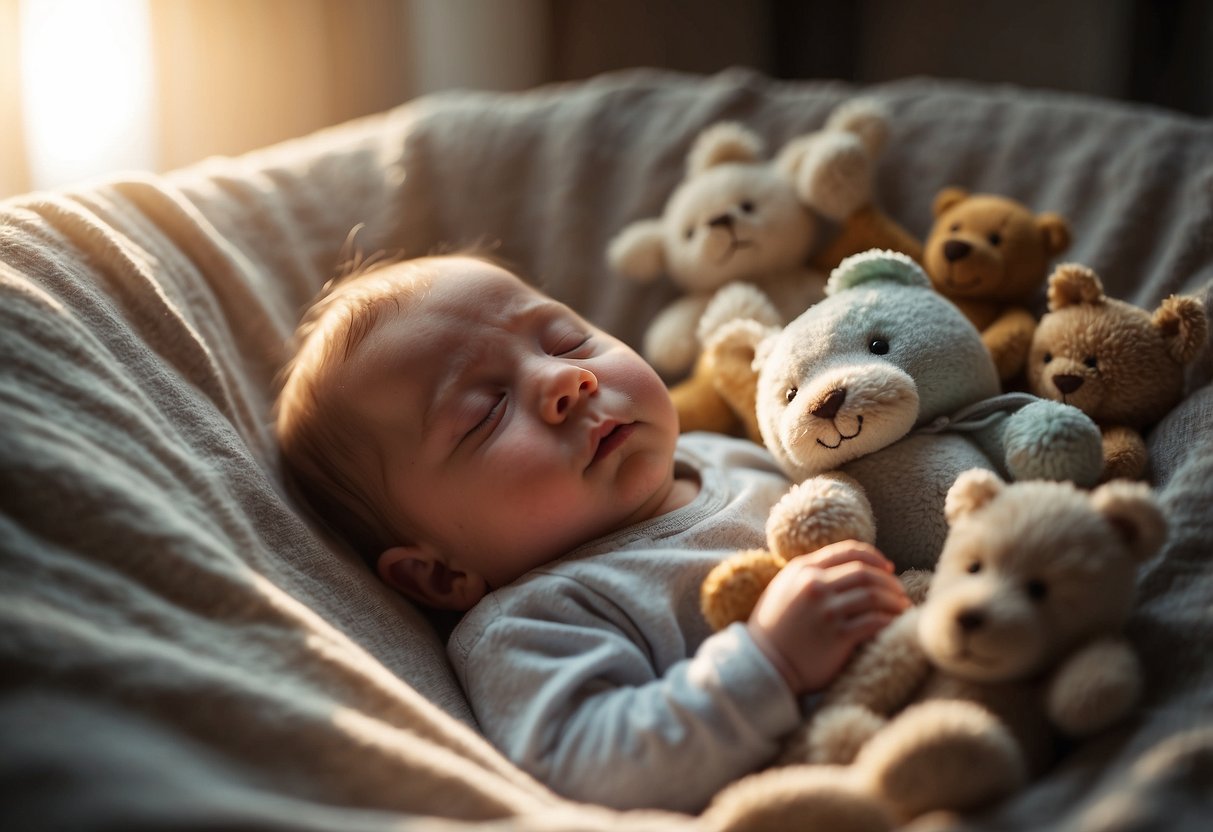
x=421, y=574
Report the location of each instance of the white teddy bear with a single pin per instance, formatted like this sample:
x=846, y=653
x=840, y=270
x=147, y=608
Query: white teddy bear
x=738, y=216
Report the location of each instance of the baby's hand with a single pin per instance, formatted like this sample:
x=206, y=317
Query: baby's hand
x=820, y=607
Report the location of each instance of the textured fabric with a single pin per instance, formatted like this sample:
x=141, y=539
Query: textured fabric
x=179, y=648
x=598, y=669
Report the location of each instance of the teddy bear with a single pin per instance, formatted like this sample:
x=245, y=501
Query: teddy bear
x=990, y=255
x=872, y=402
x=962, y=699
x=1121, y=365
x=737, y=217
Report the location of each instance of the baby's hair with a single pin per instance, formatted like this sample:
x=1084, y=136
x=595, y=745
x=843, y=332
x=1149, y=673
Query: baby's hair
x=319, y=438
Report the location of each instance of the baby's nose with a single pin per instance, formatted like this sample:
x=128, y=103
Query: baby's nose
x=567, y=387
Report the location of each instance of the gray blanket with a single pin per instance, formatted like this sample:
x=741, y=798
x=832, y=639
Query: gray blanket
x=180, y=648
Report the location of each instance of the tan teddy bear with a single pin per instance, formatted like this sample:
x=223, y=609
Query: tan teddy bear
x=1119, y=364
x=961, y=700
x=990, y=255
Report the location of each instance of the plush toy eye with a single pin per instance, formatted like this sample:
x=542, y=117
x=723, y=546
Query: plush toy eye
x=689, y=233
x=790, y=393
x=994, y=237
x=879, y=346
x=1037, y=590
x=1091, y=361
x=955, y=227
x=747, y=207
x=974, y=567
x=1048, y=357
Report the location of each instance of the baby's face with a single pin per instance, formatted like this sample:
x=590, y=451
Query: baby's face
x=512, y=430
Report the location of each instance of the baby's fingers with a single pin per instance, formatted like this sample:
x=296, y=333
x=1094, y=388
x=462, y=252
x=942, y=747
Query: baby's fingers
x=847, y=551
x=854, y=603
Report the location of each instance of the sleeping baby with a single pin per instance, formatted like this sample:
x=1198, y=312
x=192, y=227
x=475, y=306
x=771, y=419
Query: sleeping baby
x=488, y=451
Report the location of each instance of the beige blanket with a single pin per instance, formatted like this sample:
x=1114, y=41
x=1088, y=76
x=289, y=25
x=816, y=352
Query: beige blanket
x=179, y=648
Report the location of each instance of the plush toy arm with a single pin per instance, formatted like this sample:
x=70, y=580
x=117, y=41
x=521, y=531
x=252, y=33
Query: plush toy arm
x=733, y=301
x=670, y=344
x=1124, y=453
x=638, y=251
x=1008, y=338
x=1048, y=440
x=1095, y=687
x=831, y=170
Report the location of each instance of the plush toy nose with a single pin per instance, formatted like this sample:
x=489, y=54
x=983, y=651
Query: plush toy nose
x=970, y=620
x=955, y=250
x=721, y=221
x=829, y=407
x=1066, y=383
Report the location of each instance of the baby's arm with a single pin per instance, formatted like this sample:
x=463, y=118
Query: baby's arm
x=579, y=704
x=823, y=605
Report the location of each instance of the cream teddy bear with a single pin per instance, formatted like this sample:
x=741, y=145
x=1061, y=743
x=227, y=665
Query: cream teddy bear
x=735, y=217
x=960, y=701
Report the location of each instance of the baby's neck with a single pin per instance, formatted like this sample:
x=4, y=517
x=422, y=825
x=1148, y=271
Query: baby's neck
x=684, y=489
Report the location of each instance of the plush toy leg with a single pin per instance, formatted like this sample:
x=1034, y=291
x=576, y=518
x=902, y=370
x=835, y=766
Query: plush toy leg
x=1124, y=454
x=809, y=798
x=950, y=755
x=837, y=733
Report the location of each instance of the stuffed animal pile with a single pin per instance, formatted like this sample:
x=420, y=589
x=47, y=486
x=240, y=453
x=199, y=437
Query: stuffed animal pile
x=873, y=401
x=961, y=700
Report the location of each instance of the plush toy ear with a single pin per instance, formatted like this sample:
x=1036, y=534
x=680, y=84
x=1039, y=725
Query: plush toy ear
x=1132, y=511
x=947, y=198
x=866, y=118
x=1071, y=284
x=727, y=141
x=971, y=490
x=876, y=264
x=638, y=251
x=1055, y=231
x=1183, y=325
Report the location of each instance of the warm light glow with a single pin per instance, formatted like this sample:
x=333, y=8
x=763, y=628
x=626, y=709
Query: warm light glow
x=86, y=84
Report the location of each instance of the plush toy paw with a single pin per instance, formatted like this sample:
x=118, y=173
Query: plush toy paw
x=796, y=797
x=951, y=755
x=731, y=590
x=1047, y=440
x=1096, y=688
x=817, y=512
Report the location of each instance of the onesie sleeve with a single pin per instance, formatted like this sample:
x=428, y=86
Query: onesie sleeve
x=579, y=705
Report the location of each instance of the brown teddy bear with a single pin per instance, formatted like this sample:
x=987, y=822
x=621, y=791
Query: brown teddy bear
x=1119, y=364
x=961, y=700
x=990, y=255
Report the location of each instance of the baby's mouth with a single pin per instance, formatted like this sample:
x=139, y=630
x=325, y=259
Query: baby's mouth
x=610, y=439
